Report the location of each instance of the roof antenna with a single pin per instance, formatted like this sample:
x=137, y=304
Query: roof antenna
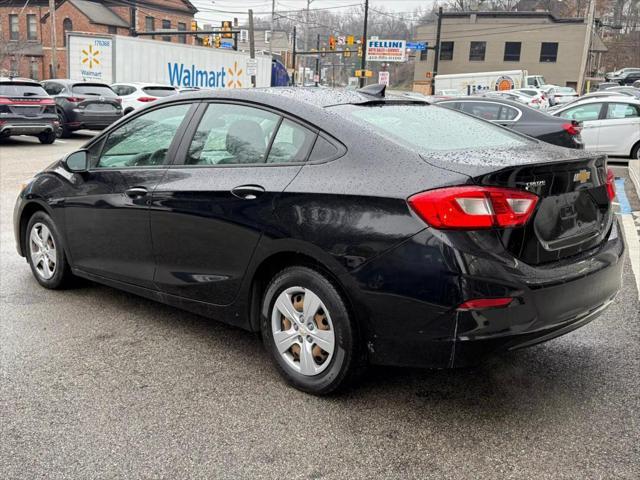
x=375, y=90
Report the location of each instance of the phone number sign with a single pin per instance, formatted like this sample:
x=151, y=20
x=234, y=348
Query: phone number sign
x=386, y=50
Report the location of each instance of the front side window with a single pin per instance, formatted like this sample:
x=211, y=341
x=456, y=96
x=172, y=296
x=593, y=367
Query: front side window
x=32, y=27
x=446, y=50
x=477, y=51
x=512, y=51
x=232, y=134
x=490, y=111
x=548, y=52
x=583, y=113
x=616, y=111
x=145, y=140
x=292, y=143
x=14, y=27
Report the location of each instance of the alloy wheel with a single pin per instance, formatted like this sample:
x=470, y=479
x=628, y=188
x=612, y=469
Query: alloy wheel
x=302, y=331
x=42, y=249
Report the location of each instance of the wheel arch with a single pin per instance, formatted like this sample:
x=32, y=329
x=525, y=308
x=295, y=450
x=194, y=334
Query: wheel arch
x=277, y=262
x=634, y=149
x=28, y=211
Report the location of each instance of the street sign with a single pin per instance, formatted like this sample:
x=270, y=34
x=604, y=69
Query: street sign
x=252, y=66
x=386, y=50
x=383, y=78
x=417, y=45
x=342, y=39
x=364, y=73
x=226, y=45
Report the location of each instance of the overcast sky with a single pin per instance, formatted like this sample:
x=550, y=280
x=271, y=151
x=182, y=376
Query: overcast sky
x=214, y=10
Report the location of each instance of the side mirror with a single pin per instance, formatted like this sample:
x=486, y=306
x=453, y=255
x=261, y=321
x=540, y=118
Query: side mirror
x=77, y=162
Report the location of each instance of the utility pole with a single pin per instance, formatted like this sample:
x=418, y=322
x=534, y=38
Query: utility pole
x=252, y=45
x=132, y=18
x=363, y=62
x=293, y=77
x=273, y=14
x=436, y=51
x=54, y=39
x=587, y=46
x=317, y=74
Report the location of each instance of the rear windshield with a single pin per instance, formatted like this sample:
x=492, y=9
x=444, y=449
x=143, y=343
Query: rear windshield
x=159, y=91
x=96, y=89
x=16, y=89
x=429, y=128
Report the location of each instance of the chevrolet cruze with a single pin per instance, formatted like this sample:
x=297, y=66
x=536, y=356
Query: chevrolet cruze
x=347, y=227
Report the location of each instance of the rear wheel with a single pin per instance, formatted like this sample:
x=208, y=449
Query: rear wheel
x=63, y=130
x=47, y=137
x=635, y=151
x=309, y=332
x=45, y=253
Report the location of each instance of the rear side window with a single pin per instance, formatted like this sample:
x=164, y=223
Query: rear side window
x=429, y=128
x=622, y=110
x=232, y=134
x=123, y=89
x=292, y=143
x=159, y=91
x=490, y=111
x=323, y=150
x=583, y=113
x=93, y=89
x=15, y=89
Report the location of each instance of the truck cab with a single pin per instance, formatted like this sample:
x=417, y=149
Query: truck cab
x=535, y=81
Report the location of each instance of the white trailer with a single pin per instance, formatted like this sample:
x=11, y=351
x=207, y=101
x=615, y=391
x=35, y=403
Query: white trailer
x=470, y=83
x=114, y=58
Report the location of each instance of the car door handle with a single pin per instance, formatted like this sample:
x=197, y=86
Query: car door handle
x=247, y=192
x=136, y=192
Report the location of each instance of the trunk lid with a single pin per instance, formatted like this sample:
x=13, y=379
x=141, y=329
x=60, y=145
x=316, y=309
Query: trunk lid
x=573, y=213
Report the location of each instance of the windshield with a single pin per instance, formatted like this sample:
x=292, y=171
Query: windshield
x=97, y=89
x=15, y=89
x=430, y=128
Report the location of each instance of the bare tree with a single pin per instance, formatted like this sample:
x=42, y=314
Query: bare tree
x=11, y=56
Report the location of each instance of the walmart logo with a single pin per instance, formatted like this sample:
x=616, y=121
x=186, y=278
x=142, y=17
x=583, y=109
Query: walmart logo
x=90, y=56
x=182, y=76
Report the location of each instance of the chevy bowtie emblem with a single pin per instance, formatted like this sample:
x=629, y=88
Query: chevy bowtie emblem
x=582, y=176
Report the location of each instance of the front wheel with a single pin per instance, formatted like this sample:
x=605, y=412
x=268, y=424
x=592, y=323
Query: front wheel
x=635, y=151
x=45, y=253
x=309, y=333
x=47, y=138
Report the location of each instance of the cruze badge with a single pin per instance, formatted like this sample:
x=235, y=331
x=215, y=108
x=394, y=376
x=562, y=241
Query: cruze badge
x=582, y=176
x=536, y=184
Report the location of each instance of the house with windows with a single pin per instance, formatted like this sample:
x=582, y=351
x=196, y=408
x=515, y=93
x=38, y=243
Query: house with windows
x=26, y=33
x=536, y=41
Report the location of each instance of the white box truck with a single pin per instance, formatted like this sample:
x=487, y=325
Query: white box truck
x=114, y=58
x=471, y=83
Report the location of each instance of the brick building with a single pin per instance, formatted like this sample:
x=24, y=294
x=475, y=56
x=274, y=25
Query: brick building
x=26, y=36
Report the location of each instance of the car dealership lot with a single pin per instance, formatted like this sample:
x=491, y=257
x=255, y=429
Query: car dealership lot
x=101, y=383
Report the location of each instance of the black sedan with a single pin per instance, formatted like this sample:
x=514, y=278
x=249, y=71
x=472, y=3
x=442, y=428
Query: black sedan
x=345, y=226
x=519, y=117
x=83, y=105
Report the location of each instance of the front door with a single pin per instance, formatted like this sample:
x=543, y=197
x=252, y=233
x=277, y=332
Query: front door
x=589, y=115
x=619, y=129
x=210, y=211
x=107, y=220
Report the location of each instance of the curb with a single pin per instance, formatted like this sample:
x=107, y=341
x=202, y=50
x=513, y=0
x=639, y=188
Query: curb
x=634, y=173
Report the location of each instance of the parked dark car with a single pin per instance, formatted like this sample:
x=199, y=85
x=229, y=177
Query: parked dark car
x=520, y=118
x=611, y=75
x=26, y=109
x=83, y=105
x=627, y=77
x=345, y=226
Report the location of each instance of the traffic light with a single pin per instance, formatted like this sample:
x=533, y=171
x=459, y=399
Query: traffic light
x=347, y=53
x=206, y=41
x=360, y=50
x=194, y=25
x=216, y=41
x=226, y=27
x=350, y=40
x=332, y=42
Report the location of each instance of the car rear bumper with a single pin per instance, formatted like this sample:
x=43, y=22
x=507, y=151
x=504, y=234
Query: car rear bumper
x=411, y=295
x=92, y=121
x=26, y=127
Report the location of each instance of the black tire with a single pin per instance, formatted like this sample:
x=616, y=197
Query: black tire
x=347, y=361
x=635, y=151
x=128, y=111
x=47, y=138
x=62, y=275
x=63, y=130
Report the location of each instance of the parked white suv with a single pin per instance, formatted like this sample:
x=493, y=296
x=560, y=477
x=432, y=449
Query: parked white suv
x=610, y=125
x=136, y=95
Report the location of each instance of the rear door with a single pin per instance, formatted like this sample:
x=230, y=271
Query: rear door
x=590, y=114
x=210, y=210
x=620, y=128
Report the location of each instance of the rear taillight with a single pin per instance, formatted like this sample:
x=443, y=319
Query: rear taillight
x=147, y=99
x=5, y=101
x=573, y=128
x=535, y=100
x=484, y=303
x=611, y=184
x=471, y=207
x=74, y=99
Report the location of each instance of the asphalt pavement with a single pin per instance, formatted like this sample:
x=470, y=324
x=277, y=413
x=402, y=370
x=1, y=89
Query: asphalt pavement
x=97, y=383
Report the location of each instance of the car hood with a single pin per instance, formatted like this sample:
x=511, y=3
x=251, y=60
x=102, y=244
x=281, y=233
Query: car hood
x=480, y=162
